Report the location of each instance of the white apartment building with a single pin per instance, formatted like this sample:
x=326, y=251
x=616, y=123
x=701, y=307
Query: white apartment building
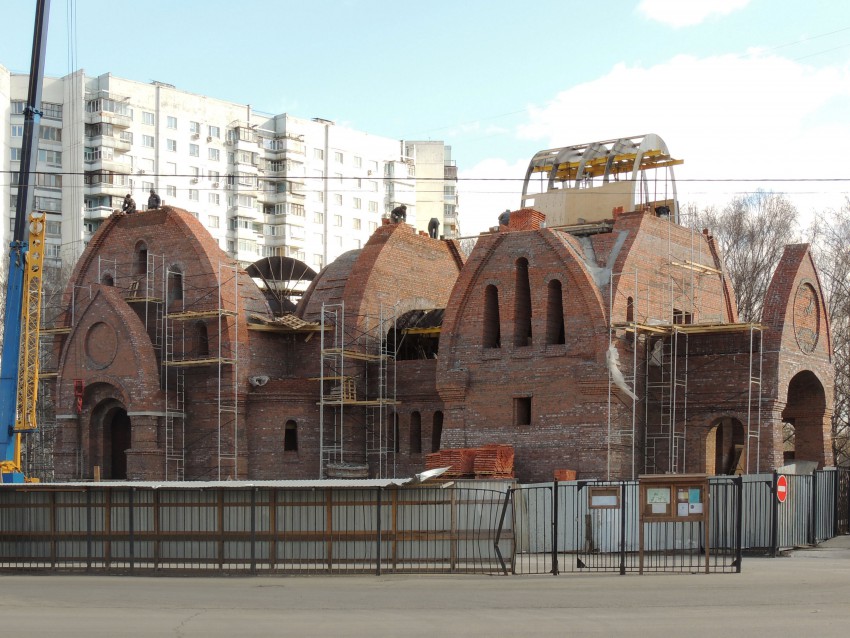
x=263, y=185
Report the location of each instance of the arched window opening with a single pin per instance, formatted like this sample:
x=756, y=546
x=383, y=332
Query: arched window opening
x=107, y=280
x=415, y=433
x=492, y=334
x=202, y=340
x=141, y=259
x=175, y=286
x=630, y=309
x=437, y=431
x=554, y=314
x=396, y=434
x=522, y=305
x=290, y=436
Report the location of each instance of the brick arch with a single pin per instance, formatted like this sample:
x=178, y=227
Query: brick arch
x=806, y=409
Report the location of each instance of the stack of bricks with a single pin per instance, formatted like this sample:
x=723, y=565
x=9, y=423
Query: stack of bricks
x=526, y=219
x=487, y=462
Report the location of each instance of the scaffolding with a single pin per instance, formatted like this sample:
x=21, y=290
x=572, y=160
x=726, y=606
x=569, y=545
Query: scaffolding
x=186, y=341
x=357, y=395
x=662, y=316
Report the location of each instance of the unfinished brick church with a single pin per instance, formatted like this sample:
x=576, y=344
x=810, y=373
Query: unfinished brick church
x=589, y=330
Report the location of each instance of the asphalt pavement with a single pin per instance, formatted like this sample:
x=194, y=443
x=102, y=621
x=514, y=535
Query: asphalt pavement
x=805, y=593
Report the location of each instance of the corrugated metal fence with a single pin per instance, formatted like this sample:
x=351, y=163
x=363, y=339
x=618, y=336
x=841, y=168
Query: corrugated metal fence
x=497, y=528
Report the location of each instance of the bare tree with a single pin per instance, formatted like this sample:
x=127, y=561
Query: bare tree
x=830, y=236
x=751, y=231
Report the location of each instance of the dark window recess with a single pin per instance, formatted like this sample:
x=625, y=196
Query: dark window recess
x=522, y=410
x=202, y=340
x=630, y=309
x=290, y=437
x=437, y=432
x=107, y=280
x=175, y=286
x=682, y=317
x=415, y=433
x=142, y=261
x=522, y=305
x=554, y=314
x=396, y=434
x=492, y=335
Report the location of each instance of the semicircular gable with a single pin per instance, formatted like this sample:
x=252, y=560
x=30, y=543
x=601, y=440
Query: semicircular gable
x=327, y=287
x=109, y=342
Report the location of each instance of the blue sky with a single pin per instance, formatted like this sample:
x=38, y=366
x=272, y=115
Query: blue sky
x=754, y=90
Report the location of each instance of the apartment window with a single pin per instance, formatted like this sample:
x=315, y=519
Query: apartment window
x=338, y=241
x=372, y=185
x=214, y=175
x=358, y=162
x=231, y=246
x=195, y=128
x=53, y=229
x=318, y=218
x=51, y=251
x=171, y=122
x=214, y=131
x=50, y=133
x=373, y=226
x=319, y=196
x=171, y=145
x=231, y=157
x=51, y=158
x=318, y=154
x=373, y=207
x=194, y=171
x=15, y=154
x=147, y=141
x=373, y=168
x=193, y=194
x=338, y=177
x=318, y=260
x=337, y=157
x=358, y=203
x=171, y=168
x=146, y=164
x=147, y=186
x=17, y=130
x=318, y=239
x=213, y=198
x=45, y=180
x=213, y=221
x=337, y=199
x=52, y=110
x=171, y=191
x=338, y=220
x=355, y=223
x=213, y=154
x=522, y=410
x=148, y=118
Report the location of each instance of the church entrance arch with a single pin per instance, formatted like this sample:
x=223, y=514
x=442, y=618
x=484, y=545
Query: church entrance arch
x=806, y=419
x=110, y=439
x=725, y=447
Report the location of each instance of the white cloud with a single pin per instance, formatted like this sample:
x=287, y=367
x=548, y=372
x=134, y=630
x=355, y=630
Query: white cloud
x=685, y=13
x=746, y=118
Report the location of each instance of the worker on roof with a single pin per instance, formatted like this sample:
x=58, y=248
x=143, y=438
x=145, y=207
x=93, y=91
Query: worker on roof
x=154, y=201
x=129, y=205
x=399, y=214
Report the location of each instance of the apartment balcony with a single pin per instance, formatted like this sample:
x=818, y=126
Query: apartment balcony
x=99, y=164
x=110, y=141
x=105, y=188
x=107, y=117
x=450, y=172
x=98, y=213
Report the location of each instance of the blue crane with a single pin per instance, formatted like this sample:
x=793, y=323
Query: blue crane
x=21, y=265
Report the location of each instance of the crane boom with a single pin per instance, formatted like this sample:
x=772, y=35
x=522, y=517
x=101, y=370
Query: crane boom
x=10, y=377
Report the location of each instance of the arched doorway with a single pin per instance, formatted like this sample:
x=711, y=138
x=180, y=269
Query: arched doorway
x=116, y=442
x=806, y=419
x=725, y=447
x=109, y=439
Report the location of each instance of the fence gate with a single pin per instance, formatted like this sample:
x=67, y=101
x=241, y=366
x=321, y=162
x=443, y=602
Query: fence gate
x=593, y=526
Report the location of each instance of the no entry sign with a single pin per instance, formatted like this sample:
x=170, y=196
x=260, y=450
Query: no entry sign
x=781, y=488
